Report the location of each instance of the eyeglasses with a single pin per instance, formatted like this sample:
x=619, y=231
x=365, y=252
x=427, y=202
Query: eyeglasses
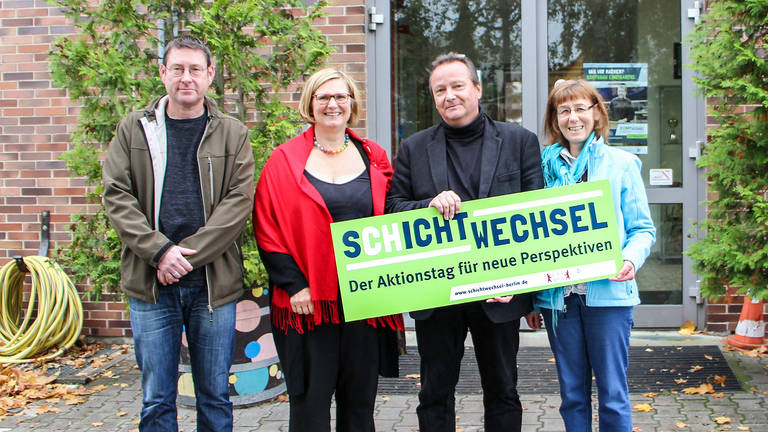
x=194, y=71
x=325, y=99
x=565, y=111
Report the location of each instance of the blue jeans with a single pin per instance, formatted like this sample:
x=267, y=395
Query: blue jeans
x=586, y=340
x=157, y=337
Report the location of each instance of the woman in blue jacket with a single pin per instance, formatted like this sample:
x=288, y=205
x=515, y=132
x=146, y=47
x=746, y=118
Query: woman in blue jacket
x=588, y=324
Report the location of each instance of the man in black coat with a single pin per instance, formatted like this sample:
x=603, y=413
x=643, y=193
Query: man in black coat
x=467, y=156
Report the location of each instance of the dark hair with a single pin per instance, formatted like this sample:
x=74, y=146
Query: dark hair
x=456, y=57
x=569, y=90
x=190, y=42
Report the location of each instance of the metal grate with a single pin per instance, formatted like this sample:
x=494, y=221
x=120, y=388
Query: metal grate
x=651, y=369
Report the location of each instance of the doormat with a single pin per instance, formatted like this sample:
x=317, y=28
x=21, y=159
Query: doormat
x=651, y=369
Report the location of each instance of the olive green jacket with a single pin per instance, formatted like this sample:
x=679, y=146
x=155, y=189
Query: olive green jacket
x=133, y=177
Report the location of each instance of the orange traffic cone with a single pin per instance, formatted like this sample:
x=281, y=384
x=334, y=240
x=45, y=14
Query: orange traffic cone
x=750, y=331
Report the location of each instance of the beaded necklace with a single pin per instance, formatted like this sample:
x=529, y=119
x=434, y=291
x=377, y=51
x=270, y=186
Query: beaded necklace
x=331, y=152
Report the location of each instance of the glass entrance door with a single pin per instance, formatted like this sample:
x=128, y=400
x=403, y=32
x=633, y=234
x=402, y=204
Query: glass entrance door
x=629, y=49
x=488, y=32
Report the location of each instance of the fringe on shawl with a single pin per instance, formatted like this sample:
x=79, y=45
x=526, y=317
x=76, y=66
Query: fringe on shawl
x=284, y=318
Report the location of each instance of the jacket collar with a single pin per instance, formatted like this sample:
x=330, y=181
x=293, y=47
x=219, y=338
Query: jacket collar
x=159, y=103
x=438, y=157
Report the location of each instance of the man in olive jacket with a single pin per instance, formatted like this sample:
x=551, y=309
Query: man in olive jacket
x=178, y=189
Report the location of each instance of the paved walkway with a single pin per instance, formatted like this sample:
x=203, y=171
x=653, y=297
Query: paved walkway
x=398, y=412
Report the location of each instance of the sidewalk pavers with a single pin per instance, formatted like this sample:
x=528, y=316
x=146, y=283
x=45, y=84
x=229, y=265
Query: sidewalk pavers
x=102, y=410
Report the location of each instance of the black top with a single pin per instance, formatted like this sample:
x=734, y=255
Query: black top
x=181, y=207
x=346, y=201
x=464, y=146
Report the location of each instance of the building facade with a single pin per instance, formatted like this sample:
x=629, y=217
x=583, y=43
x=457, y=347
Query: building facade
x=633, y=51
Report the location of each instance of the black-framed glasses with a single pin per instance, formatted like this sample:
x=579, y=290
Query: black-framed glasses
x=565, y=111
x=325, y=98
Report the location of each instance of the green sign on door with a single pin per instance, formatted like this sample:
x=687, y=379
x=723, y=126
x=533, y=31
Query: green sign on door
x=504, y=245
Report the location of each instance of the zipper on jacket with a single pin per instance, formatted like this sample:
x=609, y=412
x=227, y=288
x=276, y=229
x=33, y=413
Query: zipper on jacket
x=205, y=216
x=210, y=178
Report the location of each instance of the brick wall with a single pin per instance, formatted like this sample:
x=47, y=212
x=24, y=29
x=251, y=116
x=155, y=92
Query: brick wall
x=723, y=316
x=36, y=119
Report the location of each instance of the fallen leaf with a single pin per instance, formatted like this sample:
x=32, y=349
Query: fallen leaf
x=695, y=368
x=702, y=389
x=743, y=428
x=97, y=424
x=121, y=414
x=650, y=394
x=681, y=380
x=687, y=329
x=719, y=379
x=413, y=376
x=707, y=356
x=649, y=350
x=280, y=398
x=718, y=395
x=681, y=425
x=551, y=360
x=385, y=398
x=722, y=420
x=643, y=407
x=99, y=388
x=45, y=408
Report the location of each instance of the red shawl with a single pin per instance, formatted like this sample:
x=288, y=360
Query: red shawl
x=290, y=217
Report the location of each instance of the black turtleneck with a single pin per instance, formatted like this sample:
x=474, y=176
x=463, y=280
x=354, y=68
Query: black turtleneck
x=464, y=146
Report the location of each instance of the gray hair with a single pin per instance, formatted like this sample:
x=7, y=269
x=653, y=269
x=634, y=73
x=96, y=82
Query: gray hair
x=190, y=42
x=456, y=57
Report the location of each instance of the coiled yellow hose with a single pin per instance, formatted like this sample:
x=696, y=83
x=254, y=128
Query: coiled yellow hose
x=54, y=315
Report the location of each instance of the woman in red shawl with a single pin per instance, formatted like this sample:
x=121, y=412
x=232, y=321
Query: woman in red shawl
x=326, y=174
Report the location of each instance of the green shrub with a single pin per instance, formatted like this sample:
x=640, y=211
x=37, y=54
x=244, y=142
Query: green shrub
x=729, y=56
x=261, y=48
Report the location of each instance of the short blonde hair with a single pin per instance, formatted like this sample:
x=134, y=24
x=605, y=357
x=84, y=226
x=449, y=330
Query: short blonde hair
x=319, y=78
x=569, y=90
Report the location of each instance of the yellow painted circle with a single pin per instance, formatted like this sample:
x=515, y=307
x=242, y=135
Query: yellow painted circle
x=186, y=385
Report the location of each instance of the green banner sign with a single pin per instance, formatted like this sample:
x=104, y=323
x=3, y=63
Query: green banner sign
x=496, y=246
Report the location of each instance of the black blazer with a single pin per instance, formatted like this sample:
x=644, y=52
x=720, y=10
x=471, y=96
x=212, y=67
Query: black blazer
x=511, y=162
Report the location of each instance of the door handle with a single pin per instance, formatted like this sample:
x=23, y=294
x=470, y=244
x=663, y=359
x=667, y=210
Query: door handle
x=694, y=152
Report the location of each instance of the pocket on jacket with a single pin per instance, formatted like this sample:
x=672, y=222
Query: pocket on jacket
x=506, y=177
x=505, y=183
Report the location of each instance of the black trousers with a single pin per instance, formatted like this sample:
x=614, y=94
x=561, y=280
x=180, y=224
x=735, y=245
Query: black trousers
x=341, y=359
x=441, y=347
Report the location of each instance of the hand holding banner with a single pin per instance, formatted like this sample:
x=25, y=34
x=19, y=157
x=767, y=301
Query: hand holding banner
x=503, y=245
